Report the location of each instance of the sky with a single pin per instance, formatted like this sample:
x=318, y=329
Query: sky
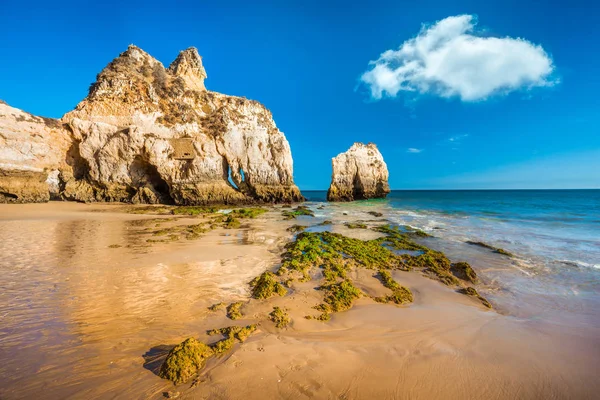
x=456, y=95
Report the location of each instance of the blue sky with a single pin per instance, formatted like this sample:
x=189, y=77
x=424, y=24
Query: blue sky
x=500, y=113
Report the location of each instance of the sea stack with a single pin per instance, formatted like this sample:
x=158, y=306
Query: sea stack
x=149, y=134
x=358, y=174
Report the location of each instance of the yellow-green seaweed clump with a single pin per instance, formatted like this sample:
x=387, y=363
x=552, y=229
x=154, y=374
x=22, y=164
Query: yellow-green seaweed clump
x=247, y=212
x=355, y=225
x=340, y=296
x=231, y=334
x=298, y=211
x=471, y=291
x=194, y=210
x=400, y=294
x=279, y=317
x=296, y=228
x=216, y=306
x=185, y=360
x=234, y=310
x=464, y=271
x=266, y=285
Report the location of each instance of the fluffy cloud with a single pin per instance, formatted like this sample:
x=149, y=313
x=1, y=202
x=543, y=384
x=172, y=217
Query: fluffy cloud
x=413, y=150
x=447, y=59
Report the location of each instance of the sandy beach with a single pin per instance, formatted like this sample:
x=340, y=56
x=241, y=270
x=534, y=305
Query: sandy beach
x=93, y=299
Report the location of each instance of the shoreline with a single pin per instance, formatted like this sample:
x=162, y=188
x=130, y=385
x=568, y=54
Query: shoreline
x=421, y=350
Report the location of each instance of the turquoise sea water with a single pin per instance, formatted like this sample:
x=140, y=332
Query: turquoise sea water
x=553, y=228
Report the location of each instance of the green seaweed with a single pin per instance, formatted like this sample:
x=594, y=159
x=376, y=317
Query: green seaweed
x=266, y=285
x=504, y=252
x=185, y=360
x=471, y=291
x=340, y=296
x=234, y=310
x=279, y=317
x=464, y=271
x=231, y=334
x=298, y=211
x=231, y=222
x=194, y=210
x=400, y=294
x=216, y=306
x=247, y=212
x=296, y=228
x=355, y=225
x=490, y=247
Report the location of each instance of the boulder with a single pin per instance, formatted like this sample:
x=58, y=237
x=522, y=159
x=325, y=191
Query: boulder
x=358, y=174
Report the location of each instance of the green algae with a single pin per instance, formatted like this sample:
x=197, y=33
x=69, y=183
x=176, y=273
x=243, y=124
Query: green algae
x=266, y=285
x=400, y=294
x=326, y=222
x=247, y=212
x=189, y=357
x=340, y=296
x=464, y=271
x=355, y=225
x=216, y=307
x=472, y=292
x=504, y=252
x=296, y=228
x=231, y=222
x=231, y=334
x=280, y=318
x=490, y=247
x=194, y=210
x=298, y=211
x=375, y=213
x=185, y=360
x=234, y=310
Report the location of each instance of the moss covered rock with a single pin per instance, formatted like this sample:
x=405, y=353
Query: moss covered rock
x=185, y=360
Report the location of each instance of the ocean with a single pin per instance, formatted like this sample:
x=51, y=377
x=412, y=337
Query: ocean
x=554, y=227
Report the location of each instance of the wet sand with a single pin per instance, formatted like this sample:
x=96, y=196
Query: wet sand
x=82, y=318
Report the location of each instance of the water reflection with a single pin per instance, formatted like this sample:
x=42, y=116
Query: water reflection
x=77, y=313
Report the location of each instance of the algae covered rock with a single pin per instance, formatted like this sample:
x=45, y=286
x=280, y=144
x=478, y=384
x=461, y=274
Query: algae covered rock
x=266, y=285
x=185, y=360
x=359, y=173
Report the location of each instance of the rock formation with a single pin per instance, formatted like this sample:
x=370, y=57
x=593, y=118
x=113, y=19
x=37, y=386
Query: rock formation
x=359, y=173
x=149, y=134
x=31, y=151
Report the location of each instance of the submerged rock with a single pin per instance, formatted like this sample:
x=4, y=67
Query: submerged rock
x=358, y=174
x=150, y=134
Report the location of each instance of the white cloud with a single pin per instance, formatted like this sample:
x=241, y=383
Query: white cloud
x=413, y=150
x=447, y=59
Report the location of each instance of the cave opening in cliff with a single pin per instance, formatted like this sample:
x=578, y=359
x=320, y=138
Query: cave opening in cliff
x=358, y=190
x=146, y=175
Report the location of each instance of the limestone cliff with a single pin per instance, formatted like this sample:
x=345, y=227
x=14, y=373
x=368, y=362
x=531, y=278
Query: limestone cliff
x=359, y=173
x=32, y=149
x=149, y=134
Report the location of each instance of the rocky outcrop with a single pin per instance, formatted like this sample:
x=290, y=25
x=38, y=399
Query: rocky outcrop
x=150, y=134
x=359, y=173
x=32, y=150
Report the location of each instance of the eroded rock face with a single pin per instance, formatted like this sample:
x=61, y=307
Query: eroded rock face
x=149, y=134
x=359, y=173
x=32, y=151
